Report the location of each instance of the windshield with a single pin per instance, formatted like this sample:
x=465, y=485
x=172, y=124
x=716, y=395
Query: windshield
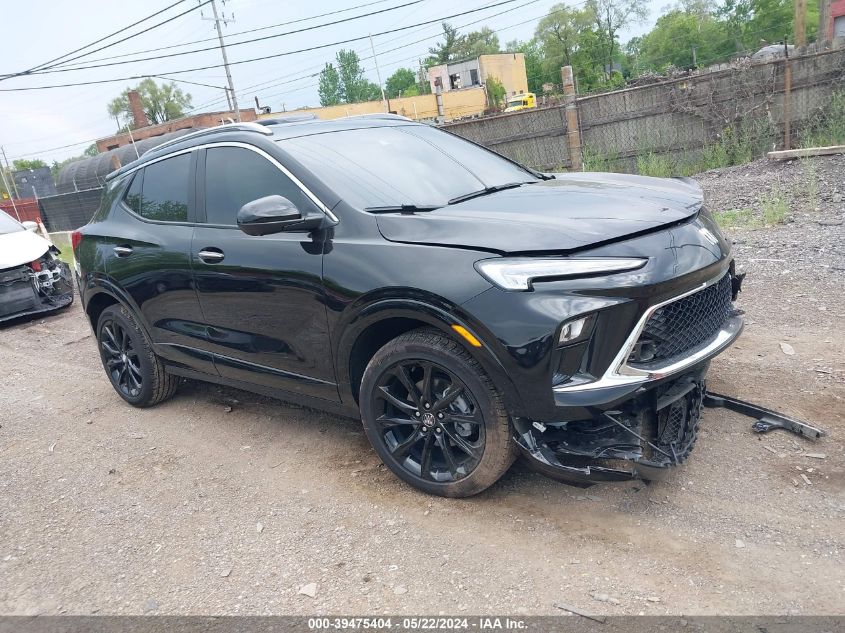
x=515, y=102
x=413, y=165
x=8, y=225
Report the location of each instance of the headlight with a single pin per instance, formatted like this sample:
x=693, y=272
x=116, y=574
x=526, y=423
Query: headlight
x=517, y=273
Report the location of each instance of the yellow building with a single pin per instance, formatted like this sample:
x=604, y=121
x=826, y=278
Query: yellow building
x=508, y=68
x=456, y=104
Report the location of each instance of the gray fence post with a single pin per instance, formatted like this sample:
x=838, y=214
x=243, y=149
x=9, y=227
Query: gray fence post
x=573, y=131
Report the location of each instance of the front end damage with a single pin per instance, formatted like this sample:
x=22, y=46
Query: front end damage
x=640, y=439
x=642, y=434
x=40, y=286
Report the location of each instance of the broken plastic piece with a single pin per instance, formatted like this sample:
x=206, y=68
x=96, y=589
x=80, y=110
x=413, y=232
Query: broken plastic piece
x=766, y=418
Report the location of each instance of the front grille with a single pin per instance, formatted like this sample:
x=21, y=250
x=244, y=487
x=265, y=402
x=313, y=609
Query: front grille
x=684, y=324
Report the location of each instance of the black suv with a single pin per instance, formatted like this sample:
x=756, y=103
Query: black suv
x=467, y=308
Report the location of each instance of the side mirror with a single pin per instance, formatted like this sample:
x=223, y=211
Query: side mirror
x=29, y=225
x=274, y=214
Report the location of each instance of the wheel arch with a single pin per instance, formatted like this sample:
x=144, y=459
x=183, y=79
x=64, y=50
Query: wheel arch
x=382, y=321
x=101, y=298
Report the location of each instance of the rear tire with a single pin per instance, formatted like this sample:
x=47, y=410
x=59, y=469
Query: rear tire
x=135, y=372
x=434, y=416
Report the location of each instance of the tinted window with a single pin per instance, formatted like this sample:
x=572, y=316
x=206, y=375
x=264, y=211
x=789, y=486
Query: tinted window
x=413, y=164
x=133, y=194
x=235, y=176
x=165, y=189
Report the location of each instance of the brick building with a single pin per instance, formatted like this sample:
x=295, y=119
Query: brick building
x=143, y=130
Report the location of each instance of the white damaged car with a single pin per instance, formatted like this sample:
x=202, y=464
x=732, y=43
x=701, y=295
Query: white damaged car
x=32, y=277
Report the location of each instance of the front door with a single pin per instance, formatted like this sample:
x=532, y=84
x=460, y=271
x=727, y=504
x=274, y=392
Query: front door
x=262, y=297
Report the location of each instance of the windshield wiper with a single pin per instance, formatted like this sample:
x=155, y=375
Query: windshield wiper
x=486, y=191
x=403, y=208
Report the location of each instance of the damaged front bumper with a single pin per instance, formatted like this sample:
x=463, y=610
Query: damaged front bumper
x=638, y=419
x=39, y=287
x=640, y=439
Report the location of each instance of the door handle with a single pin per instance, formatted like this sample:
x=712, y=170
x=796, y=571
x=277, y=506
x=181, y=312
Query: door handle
x=122, y=251
x=211, y=255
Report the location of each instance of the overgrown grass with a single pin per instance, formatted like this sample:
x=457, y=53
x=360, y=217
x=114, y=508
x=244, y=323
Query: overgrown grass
x=775, y=207
x=651, y=164
x=737, y=218
x=736, y=145
x=811, y=183
x=596, y=161
x=827, y=127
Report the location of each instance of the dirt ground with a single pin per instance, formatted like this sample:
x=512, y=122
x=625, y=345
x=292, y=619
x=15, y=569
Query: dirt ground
x=223, y=502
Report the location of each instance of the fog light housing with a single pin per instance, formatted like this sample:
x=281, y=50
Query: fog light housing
x=576, y=330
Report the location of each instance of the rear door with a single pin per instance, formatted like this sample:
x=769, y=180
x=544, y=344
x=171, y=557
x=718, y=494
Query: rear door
x=261, y=296
x=148, y=249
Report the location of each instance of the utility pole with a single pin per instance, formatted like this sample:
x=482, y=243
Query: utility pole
x=378, y=74
x=800, y=22
x=9, y=169
x=824, y=21
x=217, y=21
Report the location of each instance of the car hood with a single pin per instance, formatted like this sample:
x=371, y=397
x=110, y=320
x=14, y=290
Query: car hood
x=21, y=247
x=572, y=212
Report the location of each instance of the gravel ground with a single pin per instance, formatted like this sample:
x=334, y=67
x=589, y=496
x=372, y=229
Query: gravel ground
x=223, y=502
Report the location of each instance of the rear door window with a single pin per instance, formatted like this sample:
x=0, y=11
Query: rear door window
x=236, y=175
x=164, y=190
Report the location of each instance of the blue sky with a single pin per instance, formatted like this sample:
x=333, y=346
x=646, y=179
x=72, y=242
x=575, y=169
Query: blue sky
x=34, y=124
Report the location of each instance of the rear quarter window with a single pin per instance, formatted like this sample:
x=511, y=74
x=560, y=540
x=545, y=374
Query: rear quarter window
x=160, y=190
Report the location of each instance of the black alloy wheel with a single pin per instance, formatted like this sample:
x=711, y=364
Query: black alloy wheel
x=429, y=421
x=135, y=372
x=434, y=416
x=120, y=359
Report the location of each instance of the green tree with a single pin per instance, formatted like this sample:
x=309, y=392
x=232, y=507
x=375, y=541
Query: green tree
x=354, y=87
x=755, y=23
x=444, y=52
x=495, y=92
x=23, y=164
x=677, y=34
x=561, y=33
x=329, y=88
x=535, y=68
x=345, y=81
x=610, y=16
x=160, y=102
x=481, y=42
x=400, y=83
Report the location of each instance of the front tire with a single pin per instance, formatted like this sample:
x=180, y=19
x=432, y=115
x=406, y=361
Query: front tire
x=434, y=416
x=135, y=372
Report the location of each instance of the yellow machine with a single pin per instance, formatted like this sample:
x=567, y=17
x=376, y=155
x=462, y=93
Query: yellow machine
x=522, y=101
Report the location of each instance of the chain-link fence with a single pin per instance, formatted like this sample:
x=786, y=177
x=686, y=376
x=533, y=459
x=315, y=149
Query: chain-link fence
x=720, y=116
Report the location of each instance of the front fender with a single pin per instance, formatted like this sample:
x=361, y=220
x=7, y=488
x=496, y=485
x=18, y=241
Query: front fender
x=430, y=310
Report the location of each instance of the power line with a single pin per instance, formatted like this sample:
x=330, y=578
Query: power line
x=309, y=74
x=230, y=44
x=406, y=44
x=82, y=48
x=45, y=68
x=264, y=57
x=211, y=39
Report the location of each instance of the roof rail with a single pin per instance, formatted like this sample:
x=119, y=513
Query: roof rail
x=248, y=126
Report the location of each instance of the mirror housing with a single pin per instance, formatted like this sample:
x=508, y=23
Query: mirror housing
x=274, y=214
x=29, y=225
